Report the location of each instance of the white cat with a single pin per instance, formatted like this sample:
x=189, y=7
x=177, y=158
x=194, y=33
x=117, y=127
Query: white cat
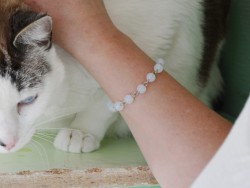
x=35, y=75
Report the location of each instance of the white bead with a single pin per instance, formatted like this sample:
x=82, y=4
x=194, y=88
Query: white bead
x=141, y=88
x=128, y=99
x=111, y=107
x=119, y=106
x=160, y=61
x=158, y=68
x=151, y=77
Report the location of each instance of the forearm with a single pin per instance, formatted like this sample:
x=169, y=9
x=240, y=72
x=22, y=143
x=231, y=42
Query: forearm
x=176, y=133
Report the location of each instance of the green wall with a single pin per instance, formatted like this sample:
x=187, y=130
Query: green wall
x=235, y=64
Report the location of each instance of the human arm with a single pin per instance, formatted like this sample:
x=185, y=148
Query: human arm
x=177, y=134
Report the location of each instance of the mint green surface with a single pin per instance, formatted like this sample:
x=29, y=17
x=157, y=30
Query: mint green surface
x=41, y=155
x=235, y=65
x=156, y=186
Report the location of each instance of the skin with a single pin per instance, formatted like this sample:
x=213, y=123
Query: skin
x=176, y=133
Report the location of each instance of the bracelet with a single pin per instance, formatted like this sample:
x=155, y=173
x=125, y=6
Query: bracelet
x=141, y=88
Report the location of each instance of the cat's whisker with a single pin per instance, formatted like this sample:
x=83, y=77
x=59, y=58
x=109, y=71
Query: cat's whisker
x=44, y=132
x=46, y=139
x=44, y=128
x=36, y=146
x=51, y=119
x=43, y=138
x=44, y=151
x=47, y=134
x=57, y=129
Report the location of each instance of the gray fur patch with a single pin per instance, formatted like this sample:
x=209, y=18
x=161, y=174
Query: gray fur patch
x=24, y=64
x=25, y=70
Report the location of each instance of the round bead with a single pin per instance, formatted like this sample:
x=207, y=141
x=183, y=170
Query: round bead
x=160, y=61
x=111, y=107
x=158, y=68
x=141, y=88
x=151, y=77
x=128, y=99
x=119, y=106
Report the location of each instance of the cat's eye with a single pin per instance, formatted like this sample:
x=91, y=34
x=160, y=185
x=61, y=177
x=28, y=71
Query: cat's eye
x=29, y=100
x=25, y=102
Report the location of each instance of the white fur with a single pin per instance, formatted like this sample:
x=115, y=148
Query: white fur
x=170, y=29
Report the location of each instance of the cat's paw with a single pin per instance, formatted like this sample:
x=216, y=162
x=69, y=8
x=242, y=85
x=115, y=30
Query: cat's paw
x=76, y=141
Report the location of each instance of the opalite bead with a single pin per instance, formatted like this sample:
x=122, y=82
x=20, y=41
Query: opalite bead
x=160, y=61
x=128, y=99
x=111, y=107
x=141, y=88
x=158, y=68
x=118, y=106
x=151, y=77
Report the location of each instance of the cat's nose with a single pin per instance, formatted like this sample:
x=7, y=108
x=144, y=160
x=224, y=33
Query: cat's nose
x=8, y=146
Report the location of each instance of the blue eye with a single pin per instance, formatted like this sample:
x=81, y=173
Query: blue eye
x=29, y=100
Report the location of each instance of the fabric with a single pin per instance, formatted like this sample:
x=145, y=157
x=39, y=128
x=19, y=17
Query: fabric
x=230, y=168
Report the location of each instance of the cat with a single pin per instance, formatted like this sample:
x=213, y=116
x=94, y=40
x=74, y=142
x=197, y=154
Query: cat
x=35, y=74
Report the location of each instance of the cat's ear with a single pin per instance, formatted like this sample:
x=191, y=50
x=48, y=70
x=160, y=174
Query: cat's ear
x=32, y=29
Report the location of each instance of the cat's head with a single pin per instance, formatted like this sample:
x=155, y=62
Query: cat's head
x=27, y=75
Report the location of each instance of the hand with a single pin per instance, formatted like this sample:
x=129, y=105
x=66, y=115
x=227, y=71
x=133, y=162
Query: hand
x=86, y=19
